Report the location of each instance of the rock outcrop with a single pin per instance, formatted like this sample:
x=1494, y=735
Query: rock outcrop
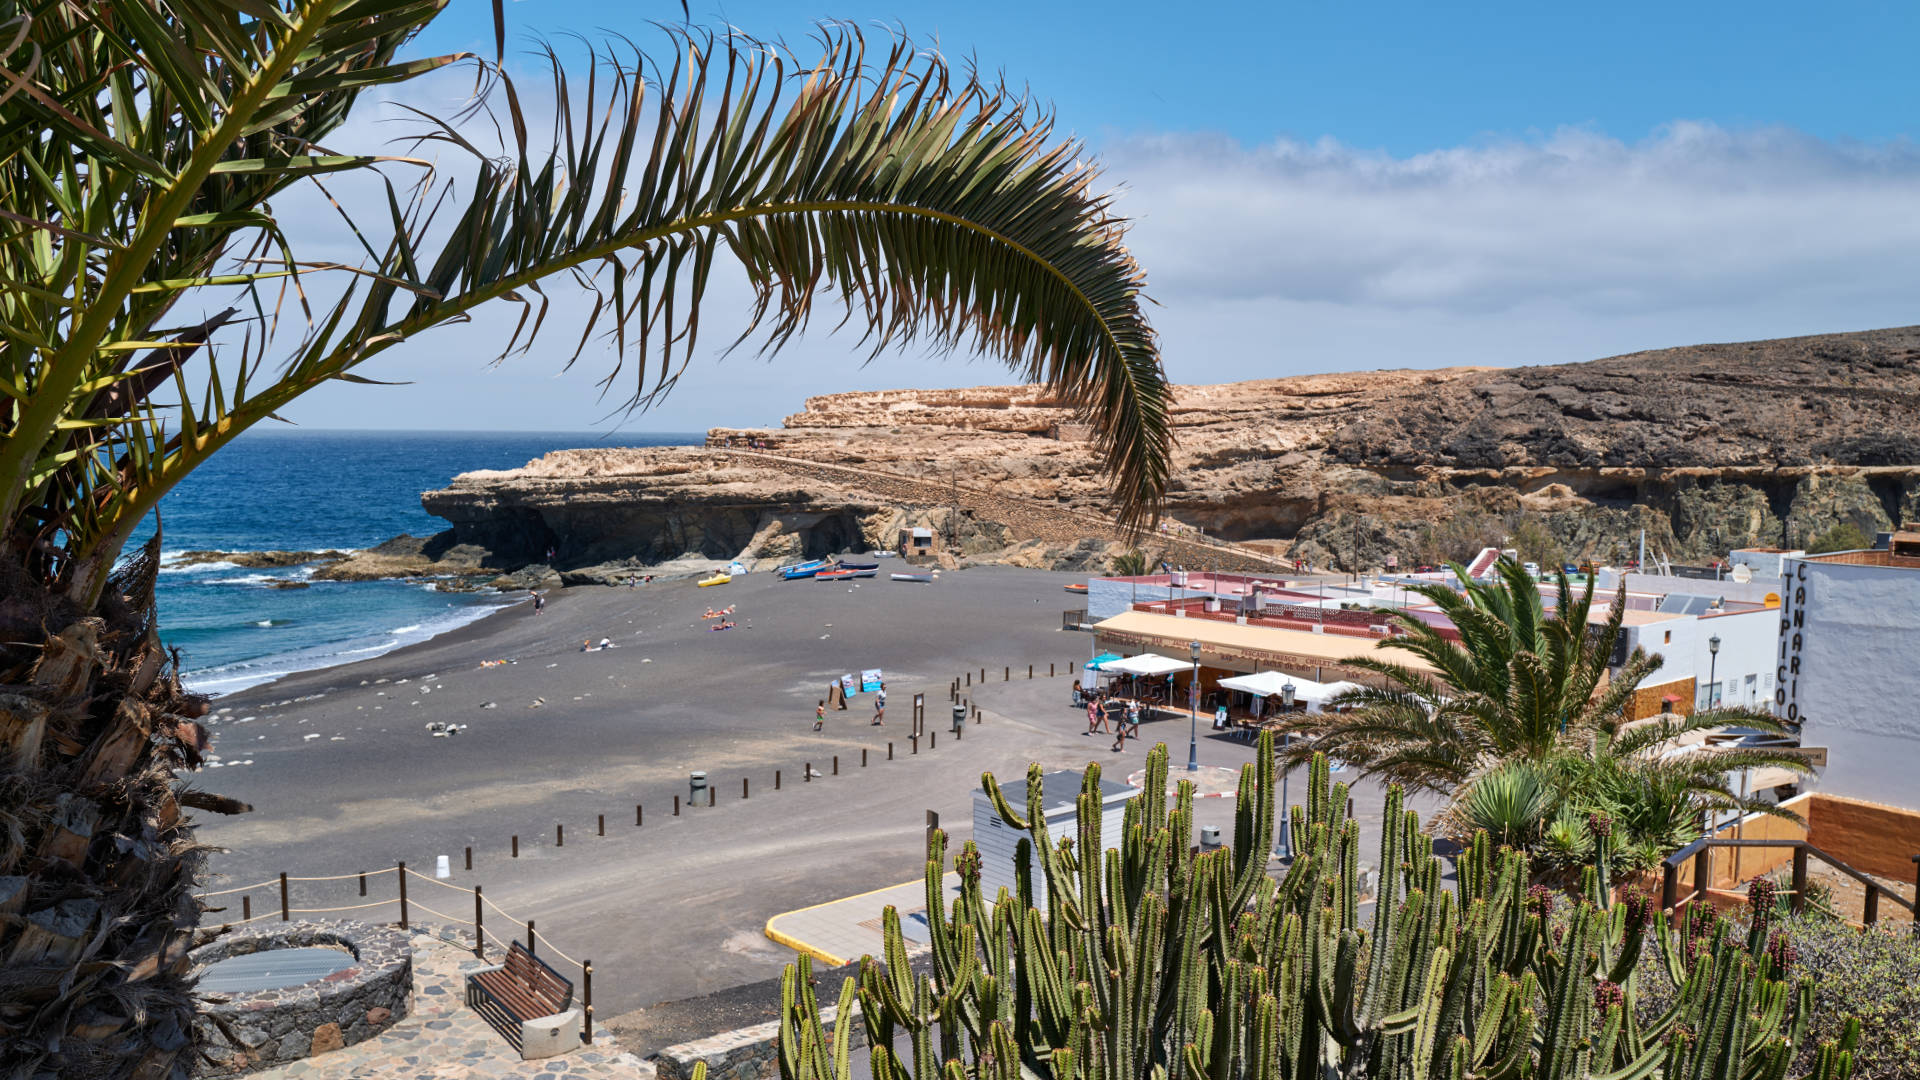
x=1705, y=448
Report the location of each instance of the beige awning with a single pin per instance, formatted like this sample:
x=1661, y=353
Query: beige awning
x=1246, y=648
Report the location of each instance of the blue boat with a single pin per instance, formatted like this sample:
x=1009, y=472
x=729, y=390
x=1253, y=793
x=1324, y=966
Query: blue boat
x=803, y=570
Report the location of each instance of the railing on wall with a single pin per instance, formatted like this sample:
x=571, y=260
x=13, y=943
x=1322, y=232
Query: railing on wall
x=1700, y=852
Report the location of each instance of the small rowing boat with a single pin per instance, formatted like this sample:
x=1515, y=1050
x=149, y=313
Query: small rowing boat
x=1077, y=588
x=803, y=570
x=832, y=575
x=717, y=579
x=922, y=578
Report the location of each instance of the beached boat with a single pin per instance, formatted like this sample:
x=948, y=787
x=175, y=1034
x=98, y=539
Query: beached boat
x=860, y=571
x=1077, y=588
x=857, y=564
x=803, y=570
x=834, y=574
x=717, y=579
x=922, y=578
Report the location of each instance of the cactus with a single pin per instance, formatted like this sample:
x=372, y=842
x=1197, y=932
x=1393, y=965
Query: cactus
x=1148, y=960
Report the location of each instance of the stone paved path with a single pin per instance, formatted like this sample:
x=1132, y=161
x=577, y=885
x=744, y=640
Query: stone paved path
x=443, y=1040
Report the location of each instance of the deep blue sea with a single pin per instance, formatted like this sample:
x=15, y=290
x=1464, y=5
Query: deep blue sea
x=312, y=490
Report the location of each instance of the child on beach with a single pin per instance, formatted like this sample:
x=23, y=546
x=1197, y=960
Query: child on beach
x=820, y=716
x=539, y=602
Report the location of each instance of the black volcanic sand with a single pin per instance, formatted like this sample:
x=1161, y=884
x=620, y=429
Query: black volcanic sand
x=675, y=909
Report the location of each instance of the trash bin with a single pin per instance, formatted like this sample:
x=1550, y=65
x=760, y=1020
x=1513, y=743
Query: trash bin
x=696, y=784
x=959, y=717
x=1209, y=836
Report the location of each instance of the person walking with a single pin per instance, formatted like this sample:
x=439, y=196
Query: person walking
x=820, y=716
x=539, y=602
x=880, y=706
x=1096, y=720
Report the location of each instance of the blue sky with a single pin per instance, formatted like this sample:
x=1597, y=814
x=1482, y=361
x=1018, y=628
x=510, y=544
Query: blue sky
x=1345, y=186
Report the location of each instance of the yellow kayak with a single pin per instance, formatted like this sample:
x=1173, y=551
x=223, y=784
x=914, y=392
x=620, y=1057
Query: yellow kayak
x=717, y=579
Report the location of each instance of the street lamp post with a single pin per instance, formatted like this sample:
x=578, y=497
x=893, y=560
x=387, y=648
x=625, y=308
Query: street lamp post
x=1193, y=711
x=1713, y=666
x=1286, y=740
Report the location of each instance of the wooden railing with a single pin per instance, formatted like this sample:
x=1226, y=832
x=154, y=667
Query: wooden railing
x=1701, y=852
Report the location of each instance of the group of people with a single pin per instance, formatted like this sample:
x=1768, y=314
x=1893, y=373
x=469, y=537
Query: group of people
x=834, y=691
x=1110, y=713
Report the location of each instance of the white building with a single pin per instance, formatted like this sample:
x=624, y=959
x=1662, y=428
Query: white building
x=1848, y=665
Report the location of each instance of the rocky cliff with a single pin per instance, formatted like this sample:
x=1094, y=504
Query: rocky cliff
x=1706, y=448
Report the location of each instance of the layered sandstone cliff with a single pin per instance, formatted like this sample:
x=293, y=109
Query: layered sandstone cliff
x=1706, y=448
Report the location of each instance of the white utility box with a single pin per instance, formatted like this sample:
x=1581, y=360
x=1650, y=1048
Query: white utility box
x=1059, y=796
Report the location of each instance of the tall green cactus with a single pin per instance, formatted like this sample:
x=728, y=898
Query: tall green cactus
x=1151, y=960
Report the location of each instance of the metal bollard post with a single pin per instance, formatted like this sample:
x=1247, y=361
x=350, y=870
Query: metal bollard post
x=776, y=779
x=586, y=979
x=637, y=819
x=559, y=836
x=1029, y=671
x=1049, y=671
x=712, y=793
x=836, y=764
x=969, y=678
x=285, y=916
x=889, y=751
x=603, y=824
x=743, y=788
x=806, y=773
x=676, y=806
x=516, y=847
x=479, y=934
x=529, y=935
x=1006, y=673
x=401, y=873
x=863, y=757
x=469, y=856
x=933, y=739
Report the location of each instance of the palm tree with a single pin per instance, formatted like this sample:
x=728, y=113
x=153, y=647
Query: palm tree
x=143, y=147
x=1523, y=704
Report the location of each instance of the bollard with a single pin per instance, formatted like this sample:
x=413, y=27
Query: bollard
x=285, y=916
x=637, y=819
x=469, y=856
x=516, y=847
x=363, y=883
x=806, y=773
x=711, y=794
x=676, y=806
x=246, y=909
x=603, y=824
x=586, y=1023
x=743, y=787
x=889, y=751
x=863, y=757
x=914, y=741
x=1029, y=671
x=969, y=678
x=959, y=733
x=529, y=935
x=1049, y=671
x=933, y=739
x=983, y=676
x=479, y=935
x=559, y=836
x=1006, y=673
x=776, y=779
x=836, y=764
x=401, y=873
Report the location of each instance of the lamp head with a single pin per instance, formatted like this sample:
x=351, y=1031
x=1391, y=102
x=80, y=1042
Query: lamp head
x=1193, y=647
x=1713, y=644
x=1286, y=695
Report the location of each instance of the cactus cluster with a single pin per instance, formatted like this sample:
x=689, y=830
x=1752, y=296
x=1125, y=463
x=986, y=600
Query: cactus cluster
x=1154, y=960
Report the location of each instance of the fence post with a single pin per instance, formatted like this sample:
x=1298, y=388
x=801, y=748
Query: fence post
x=529, y=935
x=1872, y=914
x=469, y=856
x=363, y=883
x=246, y=909
x=1702, y=873
x=586, y=992
x=1799, y=878
x=479, y=935
x=603, y=824
x=401, y=873
x=1669, y=886
x=285, y=915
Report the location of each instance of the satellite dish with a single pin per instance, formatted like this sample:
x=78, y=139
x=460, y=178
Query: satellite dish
x=1742, y=573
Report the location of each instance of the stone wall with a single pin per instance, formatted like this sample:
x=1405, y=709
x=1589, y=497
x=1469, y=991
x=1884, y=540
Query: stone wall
x=750, y=1053
x=242, y=1033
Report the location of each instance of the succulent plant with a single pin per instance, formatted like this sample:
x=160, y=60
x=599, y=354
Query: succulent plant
x=1152, y=960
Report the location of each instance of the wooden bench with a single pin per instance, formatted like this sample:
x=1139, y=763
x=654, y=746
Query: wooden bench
x=528, y=1002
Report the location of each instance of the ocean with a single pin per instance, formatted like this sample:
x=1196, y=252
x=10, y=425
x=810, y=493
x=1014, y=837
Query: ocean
x=291, y=490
